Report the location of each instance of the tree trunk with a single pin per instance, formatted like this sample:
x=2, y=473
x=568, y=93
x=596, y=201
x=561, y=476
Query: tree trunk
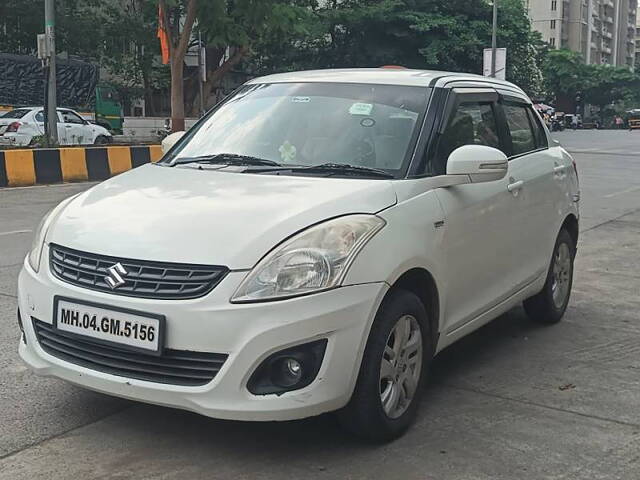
x=149, y=108
x=215, y=77
x=177, y=96
x=179, y=42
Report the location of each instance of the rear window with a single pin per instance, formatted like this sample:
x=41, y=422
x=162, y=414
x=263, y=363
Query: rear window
x=17, y=113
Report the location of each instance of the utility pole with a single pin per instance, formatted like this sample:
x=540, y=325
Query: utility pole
x=494, y=39
x=51, y=124
x=202, y=74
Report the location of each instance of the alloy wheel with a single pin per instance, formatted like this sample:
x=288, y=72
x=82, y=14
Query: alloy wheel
x=561, y=275
x=401, y=366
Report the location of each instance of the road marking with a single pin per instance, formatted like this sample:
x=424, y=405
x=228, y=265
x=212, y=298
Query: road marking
x=622, y=192
x=14, y=232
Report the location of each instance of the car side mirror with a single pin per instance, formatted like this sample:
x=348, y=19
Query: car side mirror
x=478, y=163
x=170, y=140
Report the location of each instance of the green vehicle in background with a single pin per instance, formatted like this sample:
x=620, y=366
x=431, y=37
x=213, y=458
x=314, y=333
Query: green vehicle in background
x=78, y=87
x=108, y=109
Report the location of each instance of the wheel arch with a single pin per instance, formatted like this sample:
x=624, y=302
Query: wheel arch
x=570, y=224
x=421, y=282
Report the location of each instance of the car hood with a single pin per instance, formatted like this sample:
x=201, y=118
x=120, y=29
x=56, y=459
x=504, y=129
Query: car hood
x=209, y=217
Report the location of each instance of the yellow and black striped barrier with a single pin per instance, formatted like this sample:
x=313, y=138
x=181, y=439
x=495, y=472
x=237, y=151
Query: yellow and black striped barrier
x=55, y=165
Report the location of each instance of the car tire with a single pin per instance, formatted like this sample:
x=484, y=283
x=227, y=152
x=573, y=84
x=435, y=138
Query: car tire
x=548, y=306
x=101, y=140
x=367, y=415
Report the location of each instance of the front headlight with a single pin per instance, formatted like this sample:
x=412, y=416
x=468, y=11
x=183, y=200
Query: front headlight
x=313, y=260
x=38, y=242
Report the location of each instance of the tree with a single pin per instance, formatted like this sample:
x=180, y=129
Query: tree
x=131, y=49
x=608, y=85
x=426, y=34
x=238, y=27
x=178, y=17
x=19, y=30
x=567, y=77
x=565, y=73
x=234, y=31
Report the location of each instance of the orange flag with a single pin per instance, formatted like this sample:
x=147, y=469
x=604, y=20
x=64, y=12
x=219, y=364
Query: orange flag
x=163, y=35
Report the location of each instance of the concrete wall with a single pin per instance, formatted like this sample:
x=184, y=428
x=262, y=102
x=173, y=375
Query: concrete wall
x=79, y=164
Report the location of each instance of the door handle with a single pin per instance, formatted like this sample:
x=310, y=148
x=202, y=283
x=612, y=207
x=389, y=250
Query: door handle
x=559, y=168
x=514, y=187
x=67, y=126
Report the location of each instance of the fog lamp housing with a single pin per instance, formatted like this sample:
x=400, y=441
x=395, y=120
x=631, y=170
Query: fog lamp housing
x=287, y=370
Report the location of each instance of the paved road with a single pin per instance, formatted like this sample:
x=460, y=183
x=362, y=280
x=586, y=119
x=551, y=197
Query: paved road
x=512, y=401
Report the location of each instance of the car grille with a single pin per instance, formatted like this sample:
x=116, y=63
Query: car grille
x=175, y=367
x=144, y=279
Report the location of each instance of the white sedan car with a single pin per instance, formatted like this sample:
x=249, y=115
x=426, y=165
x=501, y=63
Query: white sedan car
x=309, y=246
x=23, y=126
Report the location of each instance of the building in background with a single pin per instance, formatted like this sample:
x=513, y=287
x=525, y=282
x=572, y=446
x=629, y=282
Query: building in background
x=638, y=42
x=603, y=31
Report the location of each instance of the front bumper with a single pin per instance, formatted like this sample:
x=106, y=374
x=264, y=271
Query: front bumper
x=248, y=333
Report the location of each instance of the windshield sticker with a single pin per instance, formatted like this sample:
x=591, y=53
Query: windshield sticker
x=300, y=99
x=288, y=152
x=361, y=109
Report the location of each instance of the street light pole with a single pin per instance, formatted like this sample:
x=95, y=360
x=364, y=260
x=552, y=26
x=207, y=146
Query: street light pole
x=50, y=35
x=494, y=39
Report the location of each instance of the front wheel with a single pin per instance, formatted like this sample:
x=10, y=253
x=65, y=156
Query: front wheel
x=389, y=387
x=549, y=305
x=101, y=140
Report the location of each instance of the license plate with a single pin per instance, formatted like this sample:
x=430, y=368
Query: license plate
x=125, y=328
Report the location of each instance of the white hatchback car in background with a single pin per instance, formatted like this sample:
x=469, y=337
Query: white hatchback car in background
x=22, y=126
x=307, y=247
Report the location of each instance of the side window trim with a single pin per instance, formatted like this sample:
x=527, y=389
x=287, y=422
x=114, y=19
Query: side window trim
x=462, y=96
x=444, y=101
x=430, y=125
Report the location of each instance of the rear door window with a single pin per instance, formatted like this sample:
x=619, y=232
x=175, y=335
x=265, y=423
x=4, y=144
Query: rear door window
x=523, y=139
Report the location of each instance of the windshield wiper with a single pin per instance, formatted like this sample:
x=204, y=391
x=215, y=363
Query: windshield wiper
x=227, y=158
x=346, y=169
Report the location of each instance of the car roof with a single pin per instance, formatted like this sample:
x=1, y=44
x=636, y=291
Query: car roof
x=40, y=107
x=385, y=76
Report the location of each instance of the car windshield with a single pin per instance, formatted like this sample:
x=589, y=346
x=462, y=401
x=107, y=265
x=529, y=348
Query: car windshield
x=312, y=124
x=17, y=113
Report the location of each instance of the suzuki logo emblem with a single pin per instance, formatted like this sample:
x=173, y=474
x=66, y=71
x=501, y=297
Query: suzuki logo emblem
x=114, y=276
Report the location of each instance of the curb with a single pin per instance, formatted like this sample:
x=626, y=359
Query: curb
x=19, y=168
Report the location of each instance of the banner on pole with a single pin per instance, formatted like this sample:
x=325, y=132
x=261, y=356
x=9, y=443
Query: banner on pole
x=501, y=63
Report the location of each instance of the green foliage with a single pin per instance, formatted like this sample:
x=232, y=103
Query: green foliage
x=277, y=35
x=20, y=22
x=566, y=75
x=249, y=22
x=426, y=34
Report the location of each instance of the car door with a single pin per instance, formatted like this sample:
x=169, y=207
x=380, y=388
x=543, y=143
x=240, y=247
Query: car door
x=536, y=176
x=39, y=119
x=478, y=248
x=74, y=127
